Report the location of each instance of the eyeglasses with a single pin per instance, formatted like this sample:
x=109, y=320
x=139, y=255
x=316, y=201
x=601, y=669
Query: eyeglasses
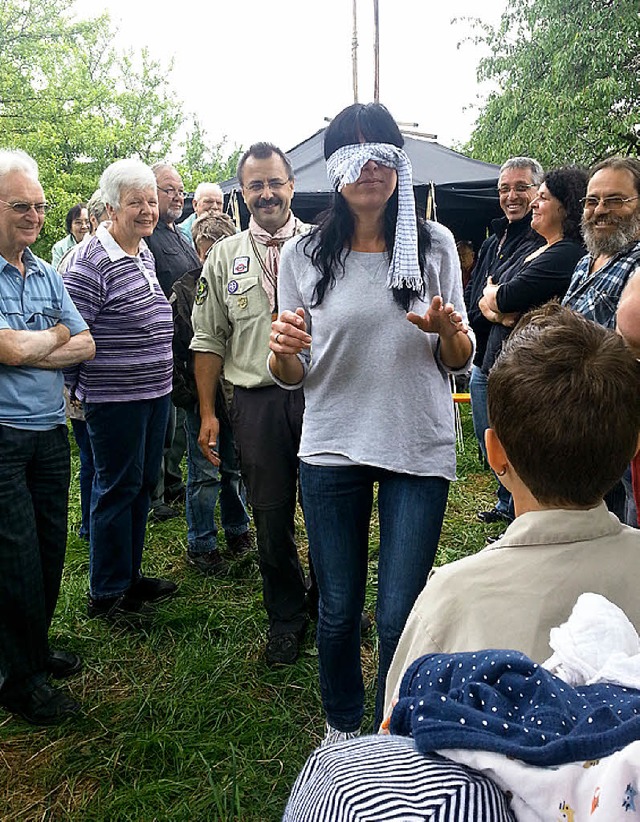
x=520, y=188
x=25, y=208
x=257, y=186
x=612, y=203
x=172, y=192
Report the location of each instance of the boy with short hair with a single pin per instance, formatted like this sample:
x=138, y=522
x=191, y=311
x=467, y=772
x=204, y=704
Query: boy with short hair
x=564, y=408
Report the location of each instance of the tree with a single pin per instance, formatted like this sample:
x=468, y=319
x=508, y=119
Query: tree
x=74, y=103
x=204, y=162
x=568, y=82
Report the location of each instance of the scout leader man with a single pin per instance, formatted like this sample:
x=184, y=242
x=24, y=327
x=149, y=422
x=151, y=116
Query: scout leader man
x=41, y=332
x=235, y=303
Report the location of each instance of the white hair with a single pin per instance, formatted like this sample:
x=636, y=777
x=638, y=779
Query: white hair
x=96, y=205
x=14, y=159
x=201, y=187
x=124, y=174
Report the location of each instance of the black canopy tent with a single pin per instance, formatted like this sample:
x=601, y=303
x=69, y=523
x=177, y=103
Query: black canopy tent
x=465, y=189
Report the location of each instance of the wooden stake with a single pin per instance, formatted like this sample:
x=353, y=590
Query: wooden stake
x=376, y=53
x=354, y=51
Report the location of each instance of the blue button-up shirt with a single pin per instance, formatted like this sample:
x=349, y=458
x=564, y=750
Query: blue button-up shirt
x=596, y=295
x=31, y=397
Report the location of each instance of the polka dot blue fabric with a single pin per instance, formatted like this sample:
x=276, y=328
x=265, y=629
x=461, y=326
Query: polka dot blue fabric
x=502, y=701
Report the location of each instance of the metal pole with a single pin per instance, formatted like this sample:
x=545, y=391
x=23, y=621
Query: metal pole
x=354, y=51
x=376, y=53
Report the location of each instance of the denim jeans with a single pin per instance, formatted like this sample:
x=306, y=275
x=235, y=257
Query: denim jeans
x=169, y=479
x=87, y=472
x=205, y=482
x=480, y=416
x=127, y=440
x=337, y=504
x=34, y=488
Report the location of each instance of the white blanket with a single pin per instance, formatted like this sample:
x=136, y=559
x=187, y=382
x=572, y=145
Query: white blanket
x=596, y=644
x=605, y=790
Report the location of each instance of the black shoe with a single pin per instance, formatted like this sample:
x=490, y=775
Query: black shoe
x=492, y=516
x=115, y=608
x=366, y=623
x=240, y=544
x=491, y=540
x=43, y=705
x=284, y=649
x=210, y=563
x=62, y=664
x=176, y=495
x=162, y=513
x=149, y=589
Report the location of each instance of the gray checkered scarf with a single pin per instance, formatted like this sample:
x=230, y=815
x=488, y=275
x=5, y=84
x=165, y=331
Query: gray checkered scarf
x=344, y=167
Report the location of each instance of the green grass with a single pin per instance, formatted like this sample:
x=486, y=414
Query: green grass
x=185, y=721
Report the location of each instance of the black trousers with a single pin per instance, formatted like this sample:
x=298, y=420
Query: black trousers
x=267, y=423
x=34, y=488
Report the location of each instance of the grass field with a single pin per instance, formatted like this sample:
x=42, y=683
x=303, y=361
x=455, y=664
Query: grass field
x=184, y=721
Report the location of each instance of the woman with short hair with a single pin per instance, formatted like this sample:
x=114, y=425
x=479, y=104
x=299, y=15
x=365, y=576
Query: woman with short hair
x=126, y=389
x=78, y=226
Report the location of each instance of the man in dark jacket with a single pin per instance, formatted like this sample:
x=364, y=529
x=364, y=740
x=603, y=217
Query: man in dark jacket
x=512, y=238
x=174, y=256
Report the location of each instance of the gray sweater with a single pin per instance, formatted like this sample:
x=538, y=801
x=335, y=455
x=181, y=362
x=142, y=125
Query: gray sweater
x=376, y=392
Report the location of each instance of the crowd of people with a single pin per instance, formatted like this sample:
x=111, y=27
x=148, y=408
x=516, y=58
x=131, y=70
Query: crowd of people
x=324, y=366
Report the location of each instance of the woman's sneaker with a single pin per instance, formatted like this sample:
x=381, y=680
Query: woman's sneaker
x=333, y=735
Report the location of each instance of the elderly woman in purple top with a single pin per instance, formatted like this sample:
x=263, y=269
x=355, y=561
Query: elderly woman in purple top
x=126, y=391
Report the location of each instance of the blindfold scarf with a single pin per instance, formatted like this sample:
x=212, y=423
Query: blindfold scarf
x=344, y=167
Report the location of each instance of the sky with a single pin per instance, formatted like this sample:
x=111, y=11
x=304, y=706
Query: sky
x=272, y=70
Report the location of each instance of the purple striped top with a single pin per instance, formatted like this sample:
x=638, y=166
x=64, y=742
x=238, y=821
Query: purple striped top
x=130, y=319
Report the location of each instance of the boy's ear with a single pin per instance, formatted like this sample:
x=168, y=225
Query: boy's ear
x=496, y=455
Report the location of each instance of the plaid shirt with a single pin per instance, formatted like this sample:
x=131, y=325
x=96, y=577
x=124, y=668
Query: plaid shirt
x=596, y=295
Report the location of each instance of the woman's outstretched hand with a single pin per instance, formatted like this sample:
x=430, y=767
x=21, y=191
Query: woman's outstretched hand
x=441, y=318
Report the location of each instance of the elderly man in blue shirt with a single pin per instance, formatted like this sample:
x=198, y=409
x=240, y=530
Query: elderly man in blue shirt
x=41, y=332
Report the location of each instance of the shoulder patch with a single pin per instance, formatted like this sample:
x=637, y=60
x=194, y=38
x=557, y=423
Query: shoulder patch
x=202, y=291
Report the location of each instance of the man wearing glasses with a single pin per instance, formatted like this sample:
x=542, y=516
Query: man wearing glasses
x=234, y=305
x=41, y=332
x=174, y=256
x=611, y=229
x=511, y=238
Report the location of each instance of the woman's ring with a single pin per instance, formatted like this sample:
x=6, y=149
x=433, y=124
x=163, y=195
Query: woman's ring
x=276, y=338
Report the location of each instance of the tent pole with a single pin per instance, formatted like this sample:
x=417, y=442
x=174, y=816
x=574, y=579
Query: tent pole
x=354, y=52
x=376, y=53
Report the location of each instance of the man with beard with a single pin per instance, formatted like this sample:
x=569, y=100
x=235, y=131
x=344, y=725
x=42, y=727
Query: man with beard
x=611, y=229
x=235, y=302
x=174, y=256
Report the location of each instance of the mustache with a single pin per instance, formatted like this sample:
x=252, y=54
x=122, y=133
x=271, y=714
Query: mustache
x=273, y=201
x=626, y=232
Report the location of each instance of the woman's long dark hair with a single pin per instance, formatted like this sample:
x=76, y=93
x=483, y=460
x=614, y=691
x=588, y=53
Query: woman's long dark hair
x=330, y=239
